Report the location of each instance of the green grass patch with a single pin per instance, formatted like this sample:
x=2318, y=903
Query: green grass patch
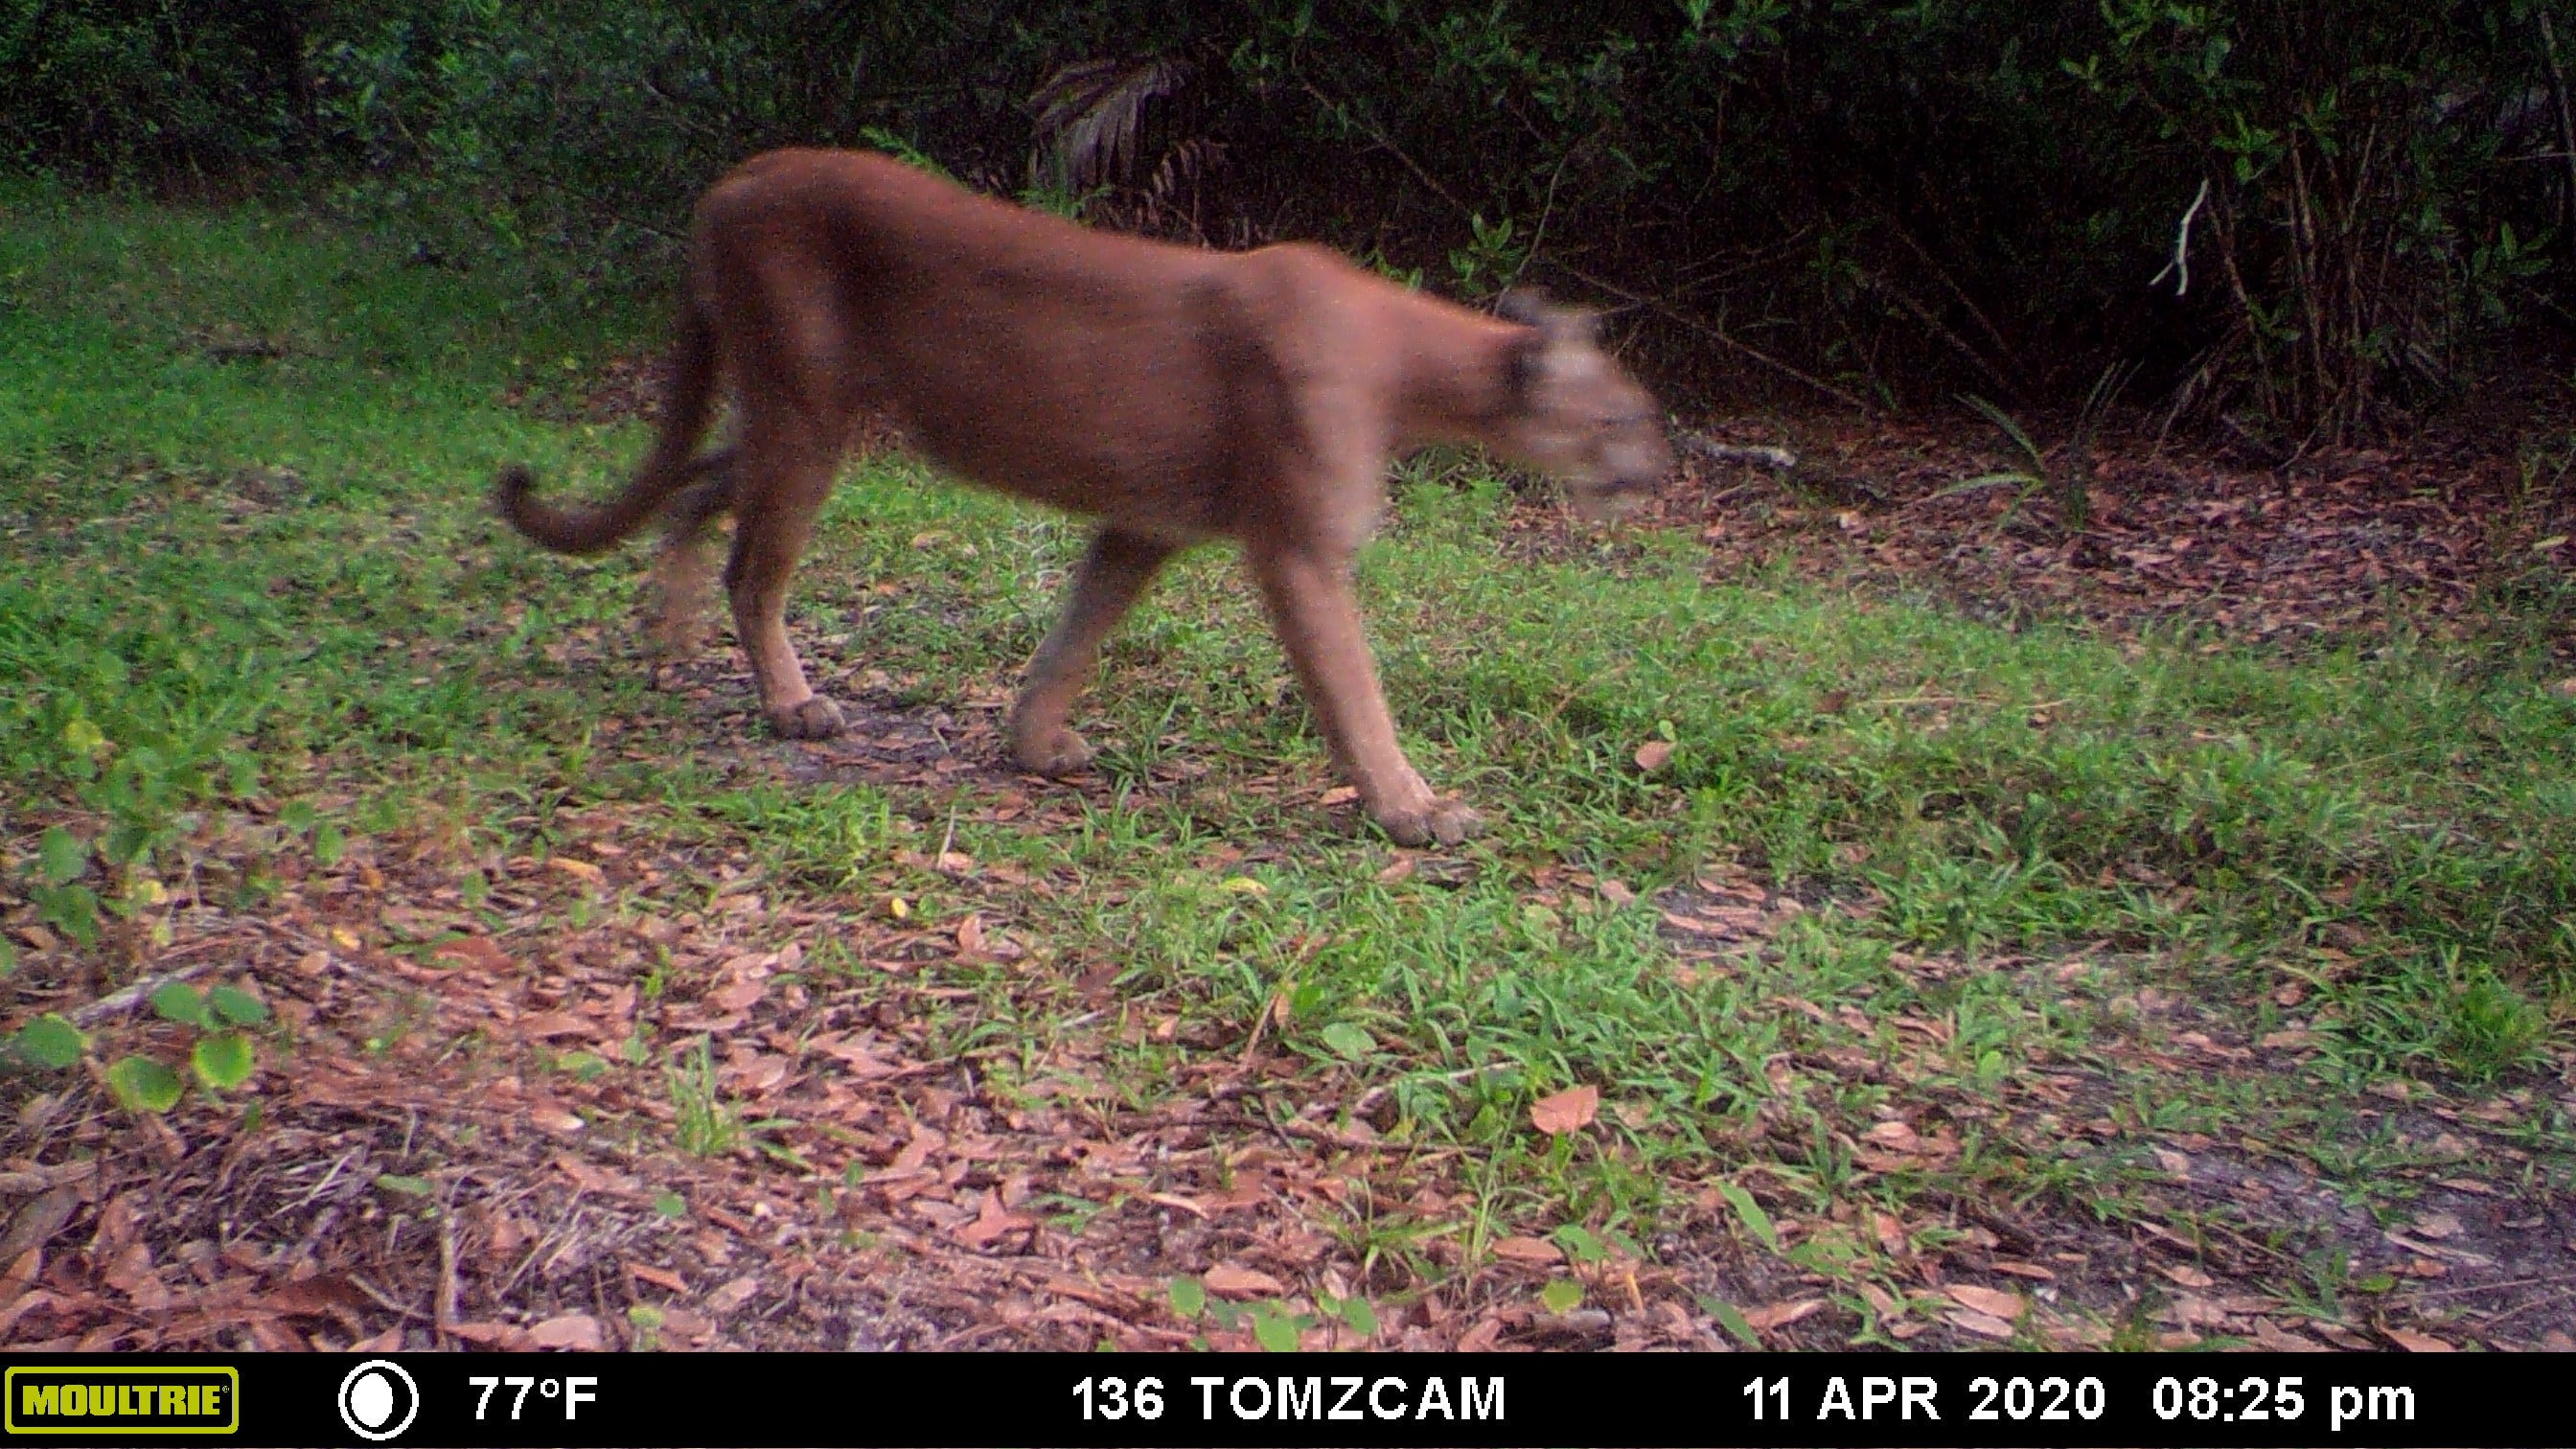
x=252, y=578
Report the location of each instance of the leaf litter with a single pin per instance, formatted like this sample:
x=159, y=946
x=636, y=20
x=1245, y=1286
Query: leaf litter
x=440, y=1167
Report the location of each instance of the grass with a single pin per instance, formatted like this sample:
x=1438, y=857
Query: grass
x=254, y=598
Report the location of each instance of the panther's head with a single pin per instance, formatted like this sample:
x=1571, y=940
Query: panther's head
x=1578, y=416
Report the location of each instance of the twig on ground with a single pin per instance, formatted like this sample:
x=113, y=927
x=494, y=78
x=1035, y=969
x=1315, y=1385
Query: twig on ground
x=45, y=1179
x=1778, y=460
x=386, y=1301
x=443, y=1309
x=134, y=995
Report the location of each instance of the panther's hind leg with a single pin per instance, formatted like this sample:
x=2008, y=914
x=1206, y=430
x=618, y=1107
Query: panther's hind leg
x=681, y=590
x=783, y=475
x=1112, y=576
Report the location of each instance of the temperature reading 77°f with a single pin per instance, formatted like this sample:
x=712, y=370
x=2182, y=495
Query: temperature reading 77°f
x=574, y=1391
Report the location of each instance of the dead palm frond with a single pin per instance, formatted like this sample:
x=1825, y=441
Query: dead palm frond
x=1182, y=166
x=1091, y=118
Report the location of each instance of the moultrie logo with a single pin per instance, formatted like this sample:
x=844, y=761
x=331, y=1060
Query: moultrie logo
x=140, y=1400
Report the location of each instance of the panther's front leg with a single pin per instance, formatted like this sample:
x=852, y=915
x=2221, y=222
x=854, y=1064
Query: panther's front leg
x=1317, y=615
x=1114, y=573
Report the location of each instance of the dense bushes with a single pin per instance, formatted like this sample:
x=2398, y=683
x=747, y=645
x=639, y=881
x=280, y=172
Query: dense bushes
x=2300, y=213
x=153, y=86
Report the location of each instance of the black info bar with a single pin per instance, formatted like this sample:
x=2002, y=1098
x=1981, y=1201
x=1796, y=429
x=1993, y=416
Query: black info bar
x=1483, y=1400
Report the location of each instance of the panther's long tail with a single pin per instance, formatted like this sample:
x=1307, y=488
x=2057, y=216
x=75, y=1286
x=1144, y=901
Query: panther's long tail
x=687, y=404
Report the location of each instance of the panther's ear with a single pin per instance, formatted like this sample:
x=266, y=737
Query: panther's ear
x=1557, y=338
x=1532, y=307
x=1528, y=306
x=1578, y=325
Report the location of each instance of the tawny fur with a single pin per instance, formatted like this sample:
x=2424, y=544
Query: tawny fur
x=1175, y=395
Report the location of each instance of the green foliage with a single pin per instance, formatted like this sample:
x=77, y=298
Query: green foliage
x=2346, y=197
x=222, y=1060
x=705, y=1123
x=1348, y=1040
x=183, y=1004
x=179, y=85
x=221, y=1056
x=2389, y=825
x=141, y=1084
x=49, y=1042
x=237, y=1006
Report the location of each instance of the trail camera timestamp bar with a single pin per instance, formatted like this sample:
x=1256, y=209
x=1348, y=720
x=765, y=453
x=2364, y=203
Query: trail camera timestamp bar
x=757, y=1400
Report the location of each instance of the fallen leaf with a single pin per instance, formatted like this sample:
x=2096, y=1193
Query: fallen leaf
x=658, y=1277
x=1779, y=1315
x=2191, y=1311
x=2280, y=1340
x=992, y=1221
x=1528, y=1250
x=475, y=953
x=734, y=1294
x=2414, y=1342
x=925, y=1141
x=314, y=1295
x=1701, y=926
x=854, y=1054
x=1652, y=754
x=547, y=1024
x=1894, y=1136
x=2438, y=1225
x=38, y=1221
x=1232, y=1282
x=570, y=1330
x=757, y=1073
x=1984, y=1325
x=1889, y=1230
x=591, y=1177
x=1566, y=1111
x=737, y=995
x=584, y=871
x=1999, y=1302
x=2187, y=1275
x=491, y=1335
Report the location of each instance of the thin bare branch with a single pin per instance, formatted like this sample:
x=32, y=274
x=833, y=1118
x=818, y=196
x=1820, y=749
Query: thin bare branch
x=1679, y=318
